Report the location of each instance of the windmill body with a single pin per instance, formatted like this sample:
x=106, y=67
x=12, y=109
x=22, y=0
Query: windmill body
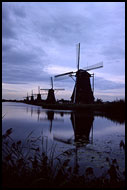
x=38, y=97
x=82, y=92
x=32, y=97
x=51, y=96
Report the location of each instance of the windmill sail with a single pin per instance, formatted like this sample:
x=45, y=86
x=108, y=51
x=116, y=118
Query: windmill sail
x=51, y=82
x=69, y=73
x=95, y=66
x=78, y=55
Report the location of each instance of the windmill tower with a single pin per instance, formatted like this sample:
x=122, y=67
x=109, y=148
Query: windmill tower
x=51, y=96
x=82, y=93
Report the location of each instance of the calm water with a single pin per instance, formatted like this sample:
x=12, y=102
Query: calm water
x=83, y=138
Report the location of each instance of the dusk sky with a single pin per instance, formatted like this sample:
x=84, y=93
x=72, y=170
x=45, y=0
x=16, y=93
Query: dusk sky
x=39, y=41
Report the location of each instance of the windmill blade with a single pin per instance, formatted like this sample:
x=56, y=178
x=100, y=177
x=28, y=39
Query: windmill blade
x=44, y=94
x=59, y=89
x=69, y=73
x=38, y=89
x=78, y=55
x=44, y=89
x=95, y=66
x=64, y=77
x=51, y=82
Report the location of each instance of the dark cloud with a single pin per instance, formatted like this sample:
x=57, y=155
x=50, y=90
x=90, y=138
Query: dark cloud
x=7, y=23
x=19, y=11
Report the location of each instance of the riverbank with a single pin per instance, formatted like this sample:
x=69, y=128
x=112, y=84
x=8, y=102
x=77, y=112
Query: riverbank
x=114, y=110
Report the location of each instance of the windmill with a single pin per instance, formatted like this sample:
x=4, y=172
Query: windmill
x=32, y=96
x=82, y=92
x=51, y=96
x=27, y=97
x=39, y=95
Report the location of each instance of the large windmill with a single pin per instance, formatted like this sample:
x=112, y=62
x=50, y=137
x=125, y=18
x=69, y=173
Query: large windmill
x=82, y=92
x=51, y=96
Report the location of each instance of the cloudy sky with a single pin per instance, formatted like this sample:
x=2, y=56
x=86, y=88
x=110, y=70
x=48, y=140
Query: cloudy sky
x=39, y=41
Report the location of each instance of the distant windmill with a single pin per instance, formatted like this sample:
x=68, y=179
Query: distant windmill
x=32, y=96
x=51, y=95
x=27, y=97
x=39, y=94
x=82, y=92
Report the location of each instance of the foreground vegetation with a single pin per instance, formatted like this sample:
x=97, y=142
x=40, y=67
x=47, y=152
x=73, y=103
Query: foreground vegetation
x=24, y=164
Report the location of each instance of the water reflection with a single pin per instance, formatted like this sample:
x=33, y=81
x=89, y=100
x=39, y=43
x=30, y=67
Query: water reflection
x=82, y=124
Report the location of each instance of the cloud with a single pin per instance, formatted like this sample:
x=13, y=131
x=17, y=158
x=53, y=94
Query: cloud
x=101, y=83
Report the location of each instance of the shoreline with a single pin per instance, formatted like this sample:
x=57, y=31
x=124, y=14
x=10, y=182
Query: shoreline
x=113, y=110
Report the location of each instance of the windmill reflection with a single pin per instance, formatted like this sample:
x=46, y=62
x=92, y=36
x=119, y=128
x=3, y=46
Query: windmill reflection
x=82, y=124
x=43, y=115
x=50, y=117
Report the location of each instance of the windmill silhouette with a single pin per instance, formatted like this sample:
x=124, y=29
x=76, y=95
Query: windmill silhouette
x=82, y=124
x=51, y=96
x=32, y=96
x=26, y=98
x=39, y=95
x=82, y=92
